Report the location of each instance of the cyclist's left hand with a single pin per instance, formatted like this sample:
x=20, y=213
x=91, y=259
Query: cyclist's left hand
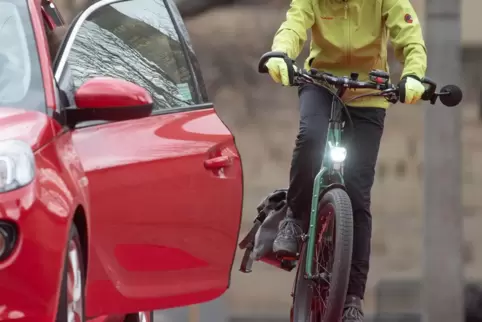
x=411, y=90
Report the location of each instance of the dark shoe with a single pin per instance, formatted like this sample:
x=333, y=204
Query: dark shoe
x=286, y=244
x=353, y=309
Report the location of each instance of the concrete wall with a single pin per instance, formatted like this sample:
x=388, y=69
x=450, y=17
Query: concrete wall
x=471, y=11
x=471, y=22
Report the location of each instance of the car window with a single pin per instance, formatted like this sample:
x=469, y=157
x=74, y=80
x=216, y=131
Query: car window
x=178, y=18
x=20, y=77
x=192, y=56
x=134, y=40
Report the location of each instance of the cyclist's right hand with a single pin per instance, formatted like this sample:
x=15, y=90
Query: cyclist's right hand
x=278, y=70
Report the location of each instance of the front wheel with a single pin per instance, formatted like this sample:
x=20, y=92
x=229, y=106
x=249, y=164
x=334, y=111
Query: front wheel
x=71, y=303
x=322, y=299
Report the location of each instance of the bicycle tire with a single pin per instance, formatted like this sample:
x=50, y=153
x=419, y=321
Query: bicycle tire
x=339, y=201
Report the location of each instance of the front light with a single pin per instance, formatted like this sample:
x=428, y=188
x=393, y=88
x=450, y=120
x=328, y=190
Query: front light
x=17, y=165
x=337, y=154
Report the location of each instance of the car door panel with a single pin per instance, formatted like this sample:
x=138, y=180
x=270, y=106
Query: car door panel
x=166, y=190
x=163, y=225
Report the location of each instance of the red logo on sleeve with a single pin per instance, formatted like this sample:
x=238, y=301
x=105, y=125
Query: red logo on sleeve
x=408, y=18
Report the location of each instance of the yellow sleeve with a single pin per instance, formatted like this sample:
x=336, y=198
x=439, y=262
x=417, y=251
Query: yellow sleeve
x=291, y=36
x=406, y=36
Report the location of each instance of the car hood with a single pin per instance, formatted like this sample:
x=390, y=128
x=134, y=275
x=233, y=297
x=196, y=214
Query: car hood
x=32, y=127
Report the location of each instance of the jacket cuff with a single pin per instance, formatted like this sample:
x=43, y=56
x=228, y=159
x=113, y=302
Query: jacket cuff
x=412, y=76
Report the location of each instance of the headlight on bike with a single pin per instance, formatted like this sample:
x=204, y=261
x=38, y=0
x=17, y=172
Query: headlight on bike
x=17, y=165
x=337, y=153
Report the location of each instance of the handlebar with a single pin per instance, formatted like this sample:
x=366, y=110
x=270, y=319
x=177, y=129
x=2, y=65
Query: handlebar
x=450, y=95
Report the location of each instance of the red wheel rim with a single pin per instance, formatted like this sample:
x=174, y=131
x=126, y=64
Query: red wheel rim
x=323, y=261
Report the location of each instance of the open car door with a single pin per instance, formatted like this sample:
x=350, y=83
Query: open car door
x=166, y=190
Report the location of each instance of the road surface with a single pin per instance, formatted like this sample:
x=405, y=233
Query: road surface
x=214, y=311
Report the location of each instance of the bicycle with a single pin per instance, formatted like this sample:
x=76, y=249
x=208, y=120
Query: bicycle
x=322, y=277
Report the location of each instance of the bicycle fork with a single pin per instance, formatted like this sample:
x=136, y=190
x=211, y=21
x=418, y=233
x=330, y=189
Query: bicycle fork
x=332, y=165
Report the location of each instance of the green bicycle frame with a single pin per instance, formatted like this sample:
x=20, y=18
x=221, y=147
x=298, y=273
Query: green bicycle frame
x=328, y=167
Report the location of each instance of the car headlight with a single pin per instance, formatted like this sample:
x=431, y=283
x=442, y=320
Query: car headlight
x=337, y=153
x=17, y=165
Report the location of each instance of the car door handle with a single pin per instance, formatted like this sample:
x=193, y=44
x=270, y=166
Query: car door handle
x=218, y=163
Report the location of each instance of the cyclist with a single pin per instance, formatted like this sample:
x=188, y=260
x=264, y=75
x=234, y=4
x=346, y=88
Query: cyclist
x=346, y=36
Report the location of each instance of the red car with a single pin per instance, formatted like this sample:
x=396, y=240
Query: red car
x=120, y=187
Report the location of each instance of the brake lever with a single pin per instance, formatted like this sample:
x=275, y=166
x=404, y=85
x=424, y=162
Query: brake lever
x=302, y=79
x=390, y=95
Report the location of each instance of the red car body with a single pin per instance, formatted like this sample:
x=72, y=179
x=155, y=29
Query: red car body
x=156, y=200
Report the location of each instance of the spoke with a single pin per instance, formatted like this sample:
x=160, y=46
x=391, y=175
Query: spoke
x=323, y=265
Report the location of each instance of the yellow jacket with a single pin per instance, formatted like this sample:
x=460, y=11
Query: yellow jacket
x=351, y=36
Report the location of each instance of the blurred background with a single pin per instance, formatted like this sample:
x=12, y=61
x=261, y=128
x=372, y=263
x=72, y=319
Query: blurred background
x=229, y=36
x=228, y=40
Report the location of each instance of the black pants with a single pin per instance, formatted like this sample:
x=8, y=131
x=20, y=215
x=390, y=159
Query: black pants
x=362, y=147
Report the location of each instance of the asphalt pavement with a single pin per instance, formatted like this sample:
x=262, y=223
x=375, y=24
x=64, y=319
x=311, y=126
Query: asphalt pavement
x=214, y=311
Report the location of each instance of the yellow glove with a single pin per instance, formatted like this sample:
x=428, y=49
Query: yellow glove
x=411, y=90
x=278, y=70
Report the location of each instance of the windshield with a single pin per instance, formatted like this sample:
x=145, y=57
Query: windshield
x=20, y=76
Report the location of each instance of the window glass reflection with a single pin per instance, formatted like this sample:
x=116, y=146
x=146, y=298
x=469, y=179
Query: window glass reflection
x=136, y=41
